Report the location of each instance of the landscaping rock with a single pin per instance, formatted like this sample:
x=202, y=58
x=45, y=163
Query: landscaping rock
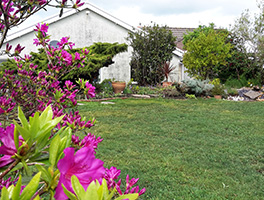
x=154, y=95
x=107, y=102
x=141, y=96
x=243, y=90
x=252, y=94
x=235, y=98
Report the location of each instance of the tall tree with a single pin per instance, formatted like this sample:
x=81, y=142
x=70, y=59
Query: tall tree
x=206, y=51
x=251, y=31
x=152, y=46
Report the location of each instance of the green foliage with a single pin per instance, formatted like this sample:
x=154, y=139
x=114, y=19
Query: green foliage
x=197, y=87
x=104, y=89
x=171, y=92
x=250, y=30
x=207, y=50
x=100, y=55
x=218, y=88
x=240, y=63
x=190, y=96
x=95, y=191
x=13, y=192
x=152, y=46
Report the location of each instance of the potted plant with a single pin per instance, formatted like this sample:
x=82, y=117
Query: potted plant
x=118, y=86
x=166, y=70
x=218, y=89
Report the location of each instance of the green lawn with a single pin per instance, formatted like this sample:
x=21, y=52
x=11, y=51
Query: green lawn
x=184, y=149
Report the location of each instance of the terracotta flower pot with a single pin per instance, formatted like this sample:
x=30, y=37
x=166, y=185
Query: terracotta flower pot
x=218, y=96
x=166, y=84
x=118, y=87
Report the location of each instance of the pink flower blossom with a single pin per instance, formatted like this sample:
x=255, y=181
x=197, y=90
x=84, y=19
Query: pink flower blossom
x=67, y=57
x=110, y=175
x=8, y=47
x=8, y=147
x=85, y=51
x=43, y=28
x=91, y=90
x=18, y=49
x=6, y=105
x=69, y=85
x=83, y=165
x=77, y=56
x=129, y=185
x=91, y=141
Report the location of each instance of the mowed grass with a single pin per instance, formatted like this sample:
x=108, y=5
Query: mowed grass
x=184, y=149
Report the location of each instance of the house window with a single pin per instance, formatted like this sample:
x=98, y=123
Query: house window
x=54, y=43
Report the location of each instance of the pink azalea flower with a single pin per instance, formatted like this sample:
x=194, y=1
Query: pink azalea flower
x=77, y=56
x=91, y=141
x=110, y=175
x=8, y=147
x=8, y=47
x=67, y=57
x=18, y=49
x=83, y=165
x=91, y=90
x=6, y=105
x=69, y=85
x=129, y=185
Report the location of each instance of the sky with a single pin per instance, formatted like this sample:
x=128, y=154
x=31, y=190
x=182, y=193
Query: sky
x=178, y=13
x=172, y=13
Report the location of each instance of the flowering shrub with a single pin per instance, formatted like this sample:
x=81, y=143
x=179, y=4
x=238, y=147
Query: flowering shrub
x=43, y=139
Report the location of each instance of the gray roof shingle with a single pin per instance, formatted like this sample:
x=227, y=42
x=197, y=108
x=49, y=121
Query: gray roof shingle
x=179, y=33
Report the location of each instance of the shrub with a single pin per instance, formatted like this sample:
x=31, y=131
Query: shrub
x=197, y=87
x=152, y=46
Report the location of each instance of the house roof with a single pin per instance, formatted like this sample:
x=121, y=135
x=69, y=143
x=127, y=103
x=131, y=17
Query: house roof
x=179, y=33
x=54, y=18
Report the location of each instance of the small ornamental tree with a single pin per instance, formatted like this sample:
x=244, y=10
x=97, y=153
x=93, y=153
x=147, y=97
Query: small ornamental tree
x=207, y=50
x=152, y=46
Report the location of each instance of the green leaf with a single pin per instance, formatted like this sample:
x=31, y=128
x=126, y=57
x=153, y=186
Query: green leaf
x=68, y=133
x=48, y=126
x=34, y=125
x=45, y=175
x=37, y=198
x=91, y=192
x=53, y=151
x=23, y=131
x=59, y=132
x=17, y=189
x=26, y=168
x=128, y=196
x=103, y=191
x=62, y=146
x=46, y=115
x=22, y=118
x=77, y=187
x=16, y=138
x=31, y=188
x=4, y=194
x=69, y=194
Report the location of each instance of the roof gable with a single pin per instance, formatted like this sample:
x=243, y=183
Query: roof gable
x=53, y=19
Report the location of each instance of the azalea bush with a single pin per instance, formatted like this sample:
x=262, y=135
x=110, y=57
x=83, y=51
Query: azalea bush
x=39, y=119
